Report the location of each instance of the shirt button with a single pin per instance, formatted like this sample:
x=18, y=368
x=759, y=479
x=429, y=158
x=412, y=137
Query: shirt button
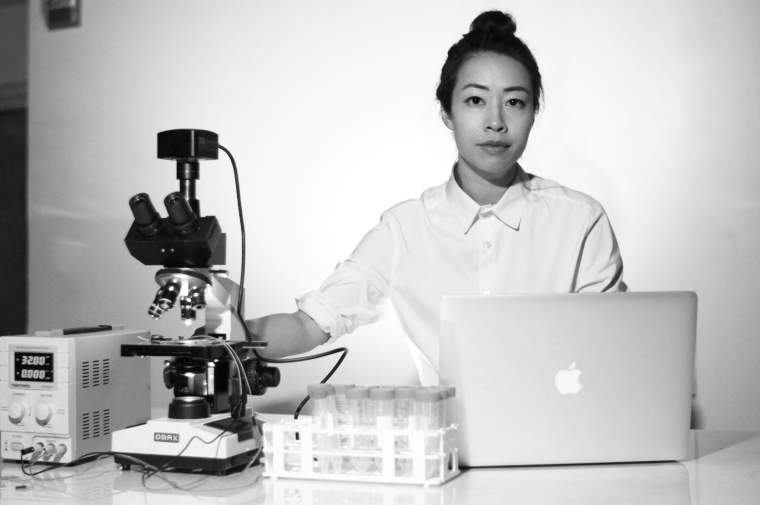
x=486, y=245
x=486, y=293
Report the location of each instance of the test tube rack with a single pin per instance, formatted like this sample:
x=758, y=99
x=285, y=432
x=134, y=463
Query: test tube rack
x=430, y=457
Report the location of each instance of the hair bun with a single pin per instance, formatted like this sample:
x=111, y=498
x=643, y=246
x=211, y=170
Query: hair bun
x=494, y=21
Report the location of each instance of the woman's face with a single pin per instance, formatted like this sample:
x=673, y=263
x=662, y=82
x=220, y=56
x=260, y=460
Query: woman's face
x=491, y=115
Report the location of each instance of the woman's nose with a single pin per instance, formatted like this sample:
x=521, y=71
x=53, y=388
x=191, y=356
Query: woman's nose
x=495, y=120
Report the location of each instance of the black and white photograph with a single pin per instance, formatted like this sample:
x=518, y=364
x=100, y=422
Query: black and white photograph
x=380, y=251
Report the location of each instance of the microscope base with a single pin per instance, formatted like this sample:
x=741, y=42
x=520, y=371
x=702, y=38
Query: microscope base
x=179, y=444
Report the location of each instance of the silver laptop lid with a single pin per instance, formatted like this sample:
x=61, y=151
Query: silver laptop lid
x=570, y=378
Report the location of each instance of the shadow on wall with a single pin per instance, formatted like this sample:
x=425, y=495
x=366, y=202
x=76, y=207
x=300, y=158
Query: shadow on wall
x=697, y=416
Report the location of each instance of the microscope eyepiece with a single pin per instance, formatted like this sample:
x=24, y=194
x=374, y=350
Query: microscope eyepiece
x=182, y=216
x=146, y=216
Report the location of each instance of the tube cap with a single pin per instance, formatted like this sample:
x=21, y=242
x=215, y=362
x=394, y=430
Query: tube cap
x=320, y=390
x=427, y=395
x=311, y=387
x=319, y=393
x=357, y=393
x=382, y=393
x=404, y=393
x=340, y=389
x=443, y=392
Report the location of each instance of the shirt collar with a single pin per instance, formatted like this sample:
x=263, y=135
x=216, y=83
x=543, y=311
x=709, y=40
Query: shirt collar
x=509, y=209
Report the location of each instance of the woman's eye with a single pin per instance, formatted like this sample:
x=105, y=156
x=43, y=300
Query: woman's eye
x=515, y=102
x=474, y=100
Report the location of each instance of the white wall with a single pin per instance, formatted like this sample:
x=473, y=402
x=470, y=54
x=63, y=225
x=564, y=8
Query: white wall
x=651, y=107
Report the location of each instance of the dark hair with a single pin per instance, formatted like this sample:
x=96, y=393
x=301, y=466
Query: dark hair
x=490, y=32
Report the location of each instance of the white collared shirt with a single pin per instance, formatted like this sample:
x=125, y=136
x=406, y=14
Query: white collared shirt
x=539, y=238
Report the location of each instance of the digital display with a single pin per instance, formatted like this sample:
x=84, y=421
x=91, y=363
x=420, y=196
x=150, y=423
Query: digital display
x=33, y=366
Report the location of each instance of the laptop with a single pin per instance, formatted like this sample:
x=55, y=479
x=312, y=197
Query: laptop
x=547, y=379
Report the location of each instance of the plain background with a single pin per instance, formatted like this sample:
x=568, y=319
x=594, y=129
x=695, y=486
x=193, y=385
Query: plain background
x=651, y=107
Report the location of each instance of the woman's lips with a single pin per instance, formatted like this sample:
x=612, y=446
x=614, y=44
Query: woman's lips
x=494, y=146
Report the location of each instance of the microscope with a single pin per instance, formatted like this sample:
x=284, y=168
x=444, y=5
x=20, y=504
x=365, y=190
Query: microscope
x=208, y=426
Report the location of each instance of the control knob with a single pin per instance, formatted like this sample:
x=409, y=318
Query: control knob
x=43, y=412
x=17, y=411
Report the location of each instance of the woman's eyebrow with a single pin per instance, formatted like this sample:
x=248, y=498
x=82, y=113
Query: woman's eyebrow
x=506, y=90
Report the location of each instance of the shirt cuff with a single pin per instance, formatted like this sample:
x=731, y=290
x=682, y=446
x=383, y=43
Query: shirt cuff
x=317, y=307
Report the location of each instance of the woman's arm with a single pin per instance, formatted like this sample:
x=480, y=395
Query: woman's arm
x=601, y=266
x=352, y=296
x=287, y=334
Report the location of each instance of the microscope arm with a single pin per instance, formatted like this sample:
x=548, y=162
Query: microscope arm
x=221, y=308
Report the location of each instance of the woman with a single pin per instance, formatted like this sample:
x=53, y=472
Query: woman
x=491, y=228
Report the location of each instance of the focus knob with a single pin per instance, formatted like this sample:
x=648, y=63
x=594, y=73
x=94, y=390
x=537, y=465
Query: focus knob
x=270, y=376
x=262, y=378
x=16, y=412
x=43, y=412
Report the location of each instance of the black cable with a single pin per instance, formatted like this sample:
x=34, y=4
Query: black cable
x=242, y=233
x=32, y=462
x=150, y=470
x=239, y=309
x=300, y=406
x=55, y=466
x=166, y=465
x=327, y=378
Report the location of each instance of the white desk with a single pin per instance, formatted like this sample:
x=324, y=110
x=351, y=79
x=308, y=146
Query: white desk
x=722, y=468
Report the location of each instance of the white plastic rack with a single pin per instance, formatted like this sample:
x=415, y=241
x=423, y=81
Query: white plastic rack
x=396, y=456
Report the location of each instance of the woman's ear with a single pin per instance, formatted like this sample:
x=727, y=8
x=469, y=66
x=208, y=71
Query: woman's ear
x=447, y=120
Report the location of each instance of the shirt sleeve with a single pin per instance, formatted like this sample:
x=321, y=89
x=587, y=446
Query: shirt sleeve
x=600, y=266
x=356, y=293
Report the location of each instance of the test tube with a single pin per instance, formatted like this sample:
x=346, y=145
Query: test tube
x=323, y=398
x=324, y=419
x=342, y=420
x=382, y=404
x=404, y=408
x=427, y=409
x=427, y=413
x=403, y=415
x=443, y=405
x=341, y=404
x=309, y=408
x=449, y=405
x=360, y=416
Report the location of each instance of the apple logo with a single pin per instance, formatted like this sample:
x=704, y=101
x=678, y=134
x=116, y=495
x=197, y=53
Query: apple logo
x=567, y=380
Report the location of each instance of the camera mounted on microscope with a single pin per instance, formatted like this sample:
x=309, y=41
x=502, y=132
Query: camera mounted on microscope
x=185, y=238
